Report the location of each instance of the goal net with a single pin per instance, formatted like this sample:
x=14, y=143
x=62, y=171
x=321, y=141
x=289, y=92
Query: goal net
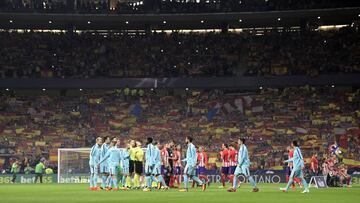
x=73, y=165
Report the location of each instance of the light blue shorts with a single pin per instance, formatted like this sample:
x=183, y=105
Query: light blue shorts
x=244, y=169
x=104, y=168
x=93, y=169
x=148, y=169
x=113, y=169
x=190, y=170
x=297, y=173
x=156, y=170
x=125, y=169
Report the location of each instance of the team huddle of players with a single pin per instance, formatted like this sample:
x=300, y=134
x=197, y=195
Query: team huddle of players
x=164, y=166
x=335, y=172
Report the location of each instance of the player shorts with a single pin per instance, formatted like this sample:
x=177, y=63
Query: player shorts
x=138, y=167
x=225, y=170
x=189, y=170
x=164, y=170
x=232, y=169
x=177, y=170
x=93, y=169
x=125, y=169
x=131, y=166
x=148, y=169
x=296, y=173
x=104, y=168
x=244, y=169
x=113, y=169
x=156, y=170
x=201, y=170
x=170, y=169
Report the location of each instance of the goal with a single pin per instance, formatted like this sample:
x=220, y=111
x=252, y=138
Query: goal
x=73, y=165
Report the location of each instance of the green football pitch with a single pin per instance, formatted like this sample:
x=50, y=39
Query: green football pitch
x=269, y=193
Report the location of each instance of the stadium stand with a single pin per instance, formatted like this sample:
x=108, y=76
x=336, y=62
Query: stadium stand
x=33, y=126
x=76, y=44
x=95, y=55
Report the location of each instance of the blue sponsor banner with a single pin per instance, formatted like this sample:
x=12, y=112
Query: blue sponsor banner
x=260, y=176
x=27, y=178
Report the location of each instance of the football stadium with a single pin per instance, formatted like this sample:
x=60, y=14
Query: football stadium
x=179, y=101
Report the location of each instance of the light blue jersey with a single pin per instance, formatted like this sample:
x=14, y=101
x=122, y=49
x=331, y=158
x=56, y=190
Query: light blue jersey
x=243, y=156
x=191, y=157
x=190, y=169
x=149, y=155
x=94, y=160
x=156, y=161
x=125, y=157
x=94, y=155
x=298, y=161
x=104, y=149
x=298, y=164
x=243, y=167
x=113, y=156
x=104, y=167
x=157, y=158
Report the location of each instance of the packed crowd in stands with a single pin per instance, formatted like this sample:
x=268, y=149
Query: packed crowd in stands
x=310, y=53
x=89, y=55
x=167, y=6
x=35, y=126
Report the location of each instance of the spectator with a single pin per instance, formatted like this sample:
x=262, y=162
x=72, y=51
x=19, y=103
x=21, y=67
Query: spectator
x=28, y=169
x=49, y=171
x=314, y=165
x=315, y=115
x=15, y=169
x=39, y=170
x=178, y=55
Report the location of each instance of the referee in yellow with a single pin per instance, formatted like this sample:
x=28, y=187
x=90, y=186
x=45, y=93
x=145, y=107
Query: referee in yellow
x=131, y=161
x=139, y=158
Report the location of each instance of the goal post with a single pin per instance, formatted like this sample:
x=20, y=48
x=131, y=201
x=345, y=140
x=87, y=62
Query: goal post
x=73, y=165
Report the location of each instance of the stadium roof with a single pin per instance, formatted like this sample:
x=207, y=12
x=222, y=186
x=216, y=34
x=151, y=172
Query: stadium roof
x=178, y=21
